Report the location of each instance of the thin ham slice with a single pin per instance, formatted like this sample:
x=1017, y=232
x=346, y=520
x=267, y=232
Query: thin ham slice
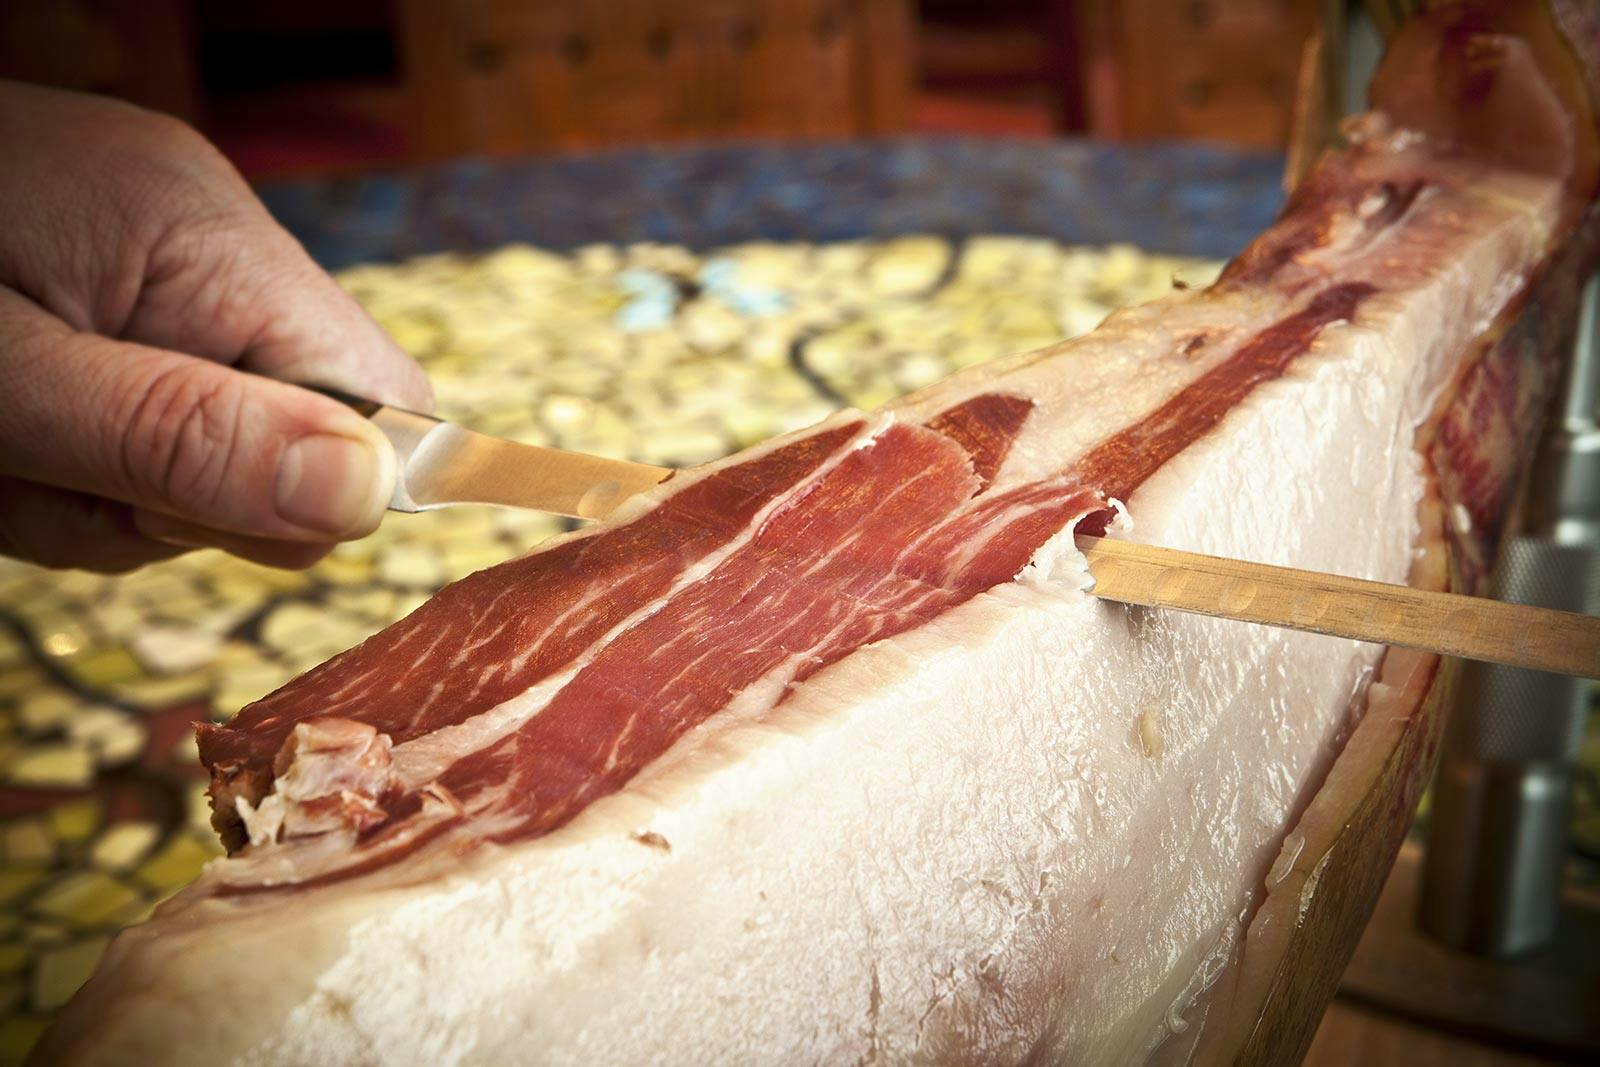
x=821, y=753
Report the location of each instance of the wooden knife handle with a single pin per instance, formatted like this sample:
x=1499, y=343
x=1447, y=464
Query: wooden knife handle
x=1474, y=627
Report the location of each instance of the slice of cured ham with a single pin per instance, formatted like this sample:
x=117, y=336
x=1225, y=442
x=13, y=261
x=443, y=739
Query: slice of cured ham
x=821, y=753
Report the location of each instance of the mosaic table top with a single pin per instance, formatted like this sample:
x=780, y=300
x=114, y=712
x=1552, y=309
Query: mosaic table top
x=779, y=284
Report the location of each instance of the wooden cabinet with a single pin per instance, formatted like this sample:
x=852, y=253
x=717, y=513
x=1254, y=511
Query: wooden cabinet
x=140, y=50
x=1208, y=69
x=518, y=75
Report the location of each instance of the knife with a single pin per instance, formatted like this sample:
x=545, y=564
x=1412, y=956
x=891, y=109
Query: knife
x=442, y=464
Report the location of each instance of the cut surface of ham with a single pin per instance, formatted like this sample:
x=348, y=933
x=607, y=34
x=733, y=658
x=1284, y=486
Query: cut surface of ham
x=822, y=752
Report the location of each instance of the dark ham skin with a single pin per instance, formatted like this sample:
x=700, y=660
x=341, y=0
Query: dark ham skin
x=1479, y=443
x=1500, y=83
x=1510, y=82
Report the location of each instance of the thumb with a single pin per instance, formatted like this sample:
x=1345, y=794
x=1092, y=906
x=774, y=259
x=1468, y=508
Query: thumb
x=184, y=436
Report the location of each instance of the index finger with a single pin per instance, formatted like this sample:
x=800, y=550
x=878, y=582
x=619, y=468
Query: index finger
x=242, y=290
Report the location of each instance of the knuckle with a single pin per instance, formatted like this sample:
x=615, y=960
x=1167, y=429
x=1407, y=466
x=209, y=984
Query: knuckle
x=175, y=184
x=161, y=130
x=181, y=439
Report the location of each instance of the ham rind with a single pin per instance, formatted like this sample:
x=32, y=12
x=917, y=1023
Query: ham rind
x=821, y=753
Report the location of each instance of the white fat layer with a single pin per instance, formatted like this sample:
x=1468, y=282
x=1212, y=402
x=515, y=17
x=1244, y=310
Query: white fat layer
x=1057, y=564
x=952, y=844
x=261, y=824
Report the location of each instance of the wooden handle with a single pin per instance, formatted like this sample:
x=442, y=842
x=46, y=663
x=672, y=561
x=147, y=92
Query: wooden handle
x=1454, y=625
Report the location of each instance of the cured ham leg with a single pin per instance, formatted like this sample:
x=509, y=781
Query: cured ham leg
x=819, y=753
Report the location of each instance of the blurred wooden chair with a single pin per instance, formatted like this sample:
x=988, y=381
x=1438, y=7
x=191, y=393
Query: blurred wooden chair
x=519, y=75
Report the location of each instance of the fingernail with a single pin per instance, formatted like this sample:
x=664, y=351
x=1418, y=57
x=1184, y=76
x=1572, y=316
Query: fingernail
x=331, y=484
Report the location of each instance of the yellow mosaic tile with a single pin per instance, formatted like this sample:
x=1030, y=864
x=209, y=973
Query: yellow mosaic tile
x=176, y=864
x=124, y=845
x=86, y=898
x=75, y=820
x=97, y=668
x=13, y=958
x=54, y=766
x=60, y=972
x=18, y=1035
x=16, y=880
x=27, y=843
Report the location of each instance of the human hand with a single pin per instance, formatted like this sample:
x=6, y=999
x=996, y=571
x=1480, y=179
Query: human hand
x=138, y=277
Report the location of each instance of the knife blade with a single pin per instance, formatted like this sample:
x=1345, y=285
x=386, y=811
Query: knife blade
x=441, y=464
